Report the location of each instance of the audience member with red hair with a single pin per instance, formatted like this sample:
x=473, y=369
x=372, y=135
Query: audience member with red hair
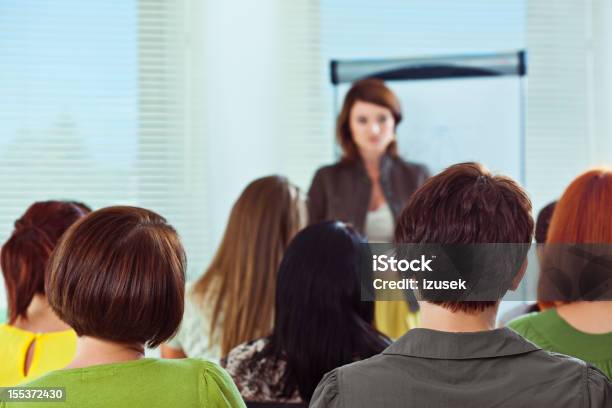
x=573, y=323
x=35, y=340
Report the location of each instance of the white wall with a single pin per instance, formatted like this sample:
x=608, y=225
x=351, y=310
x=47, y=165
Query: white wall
x=601, y=149
x=252, y=90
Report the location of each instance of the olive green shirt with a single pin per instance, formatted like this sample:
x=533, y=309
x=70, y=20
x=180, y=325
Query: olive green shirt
x=548, y=330
x=497, y=368
x=150, y=383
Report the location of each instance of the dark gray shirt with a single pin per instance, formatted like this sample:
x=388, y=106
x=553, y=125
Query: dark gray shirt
x=498, y=368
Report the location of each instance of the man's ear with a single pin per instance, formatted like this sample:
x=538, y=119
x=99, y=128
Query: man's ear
x=519, y=276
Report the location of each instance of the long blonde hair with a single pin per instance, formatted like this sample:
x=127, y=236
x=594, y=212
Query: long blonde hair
x=239, y=285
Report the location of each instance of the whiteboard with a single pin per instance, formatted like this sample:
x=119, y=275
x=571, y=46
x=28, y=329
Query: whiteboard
x=448, y=121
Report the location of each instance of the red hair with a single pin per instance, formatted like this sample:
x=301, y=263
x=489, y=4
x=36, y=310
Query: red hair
x=582, y=216
x=24, y=256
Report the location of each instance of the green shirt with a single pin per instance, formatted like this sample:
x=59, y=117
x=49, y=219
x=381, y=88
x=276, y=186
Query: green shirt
x=549, y=331
x=146, y=382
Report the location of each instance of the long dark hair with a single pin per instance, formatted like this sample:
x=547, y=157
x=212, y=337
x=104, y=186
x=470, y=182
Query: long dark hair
x=320, y=322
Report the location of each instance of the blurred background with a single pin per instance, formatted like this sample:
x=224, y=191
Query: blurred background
x=175, y=105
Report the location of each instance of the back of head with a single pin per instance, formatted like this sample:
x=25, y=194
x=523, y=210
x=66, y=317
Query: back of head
x=581, y=223
x=465, y=204
x=320, y=321
x=583, y=215
x=239, y=284
x=119, y=275
x=543, y=222
x=25, y=254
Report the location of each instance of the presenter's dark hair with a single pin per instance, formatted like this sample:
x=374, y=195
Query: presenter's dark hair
x=466, y=204
x=366, y=90
x=119, y=275
x=25, y=254
x=321, y=322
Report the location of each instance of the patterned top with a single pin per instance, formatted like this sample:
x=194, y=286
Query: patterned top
x=193, y=336
x=257, y=381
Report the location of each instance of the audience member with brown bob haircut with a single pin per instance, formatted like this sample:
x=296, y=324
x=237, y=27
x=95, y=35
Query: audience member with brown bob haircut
x=575, y=302
x=456, y=358
x=131, y=262
x=117, y=277
x=35, y=340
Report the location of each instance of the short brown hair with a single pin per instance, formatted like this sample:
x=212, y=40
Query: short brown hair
x=119, y=275
x=466, y=204
x=25, y=254
x=366, y=90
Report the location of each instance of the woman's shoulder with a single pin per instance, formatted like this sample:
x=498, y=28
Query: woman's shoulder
x=217, y=382
x=334, y=169
x=239, y=356
x=397, y=164
x=190, y=366
x=530, y=325
x=146, y=370
x=149, y=376
x=532, y=318
x=258, y=378
x=193, y=335
x=329, y=177
x=413, y=168
x=15, y=335
x=523, y=322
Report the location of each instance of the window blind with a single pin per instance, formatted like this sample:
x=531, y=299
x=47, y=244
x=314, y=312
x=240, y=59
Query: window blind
x=560, y=95
x=96, y=107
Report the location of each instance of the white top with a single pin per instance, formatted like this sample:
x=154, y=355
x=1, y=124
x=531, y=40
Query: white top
x=193, y=336
x=379, y=224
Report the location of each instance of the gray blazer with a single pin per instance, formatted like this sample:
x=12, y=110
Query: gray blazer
x=342, y=190
x=498, y=368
